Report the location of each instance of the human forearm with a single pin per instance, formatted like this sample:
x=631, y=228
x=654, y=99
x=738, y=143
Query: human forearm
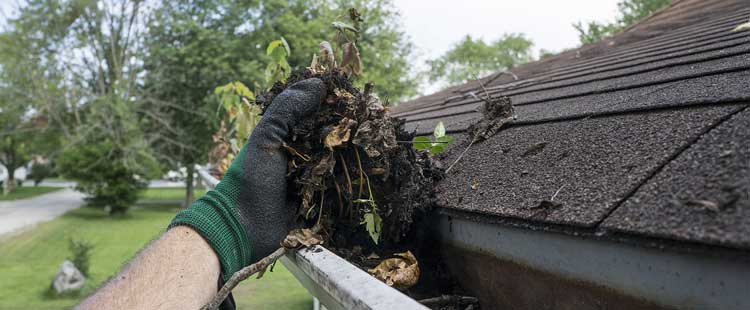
x=177, y=271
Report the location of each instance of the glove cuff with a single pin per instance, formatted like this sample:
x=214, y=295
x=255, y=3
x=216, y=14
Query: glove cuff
x=210, y=217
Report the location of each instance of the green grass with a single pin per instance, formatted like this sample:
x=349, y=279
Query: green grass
x=27, y=192
x=28, y=261
x=176, y=194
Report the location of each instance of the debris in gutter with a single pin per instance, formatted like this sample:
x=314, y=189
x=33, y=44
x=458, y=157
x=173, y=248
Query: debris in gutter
x=455, y=300
x=401, y=272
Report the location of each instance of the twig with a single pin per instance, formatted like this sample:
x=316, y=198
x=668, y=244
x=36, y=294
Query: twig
x=240, y=276
x=461, y=156
x=557, y=192
x=449, y=299
x=412, y=142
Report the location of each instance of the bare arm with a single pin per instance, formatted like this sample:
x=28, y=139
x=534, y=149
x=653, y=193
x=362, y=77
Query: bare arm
x=177, y=271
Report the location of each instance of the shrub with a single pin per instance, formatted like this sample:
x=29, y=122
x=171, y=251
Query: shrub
x=39, y=172
x=100, y=171
x=81, y=254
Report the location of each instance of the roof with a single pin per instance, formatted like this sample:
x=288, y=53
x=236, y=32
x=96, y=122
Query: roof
x=645, y=133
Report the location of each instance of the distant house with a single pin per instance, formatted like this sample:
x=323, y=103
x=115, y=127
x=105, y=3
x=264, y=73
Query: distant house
x=624, y=181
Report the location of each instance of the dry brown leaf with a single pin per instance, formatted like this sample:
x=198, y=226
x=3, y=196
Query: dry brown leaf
x=340, y=133
x=301, y=237
x=401, y=272
x=326, y=53
x=343, y=94
x=350, y=61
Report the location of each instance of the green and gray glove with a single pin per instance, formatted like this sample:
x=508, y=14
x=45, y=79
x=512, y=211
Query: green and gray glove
x=249, y=212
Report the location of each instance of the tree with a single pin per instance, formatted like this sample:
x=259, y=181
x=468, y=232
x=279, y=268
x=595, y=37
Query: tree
x=471, y=58
x=191, y=50
x=194, y=46
x=84, y=79
x=25, y=80
x=631, y=11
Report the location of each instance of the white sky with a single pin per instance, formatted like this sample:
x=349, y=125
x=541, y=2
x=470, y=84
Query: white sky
x=435, y=25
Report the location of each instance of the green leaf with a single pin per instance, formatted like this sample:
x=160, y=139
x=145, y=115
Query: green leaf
x=286, y=46
x=445, y=140
x=344, y=26
x=272, y=46
x=278, y=55
x=437, y=149
x=373, y=224
x=439, y=130
x=242, y=90
x=421, y=143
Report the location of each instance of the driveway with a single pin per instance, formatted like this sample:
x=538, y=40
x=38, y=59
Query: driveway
x=16, y=214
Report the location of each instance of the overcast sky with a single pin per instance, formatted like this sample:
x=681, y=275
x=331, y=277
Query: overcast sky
x=435, y=25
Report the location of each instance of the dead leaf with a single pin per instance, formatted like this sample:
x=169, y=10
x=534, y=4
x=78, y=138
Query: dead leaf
x=340, y=133
x=323, y=168
x=326, y=53
x=474, y=185
x=401, y=272
x=350, y=61
x=343, y=94
x=301, y=237
x=377, y=171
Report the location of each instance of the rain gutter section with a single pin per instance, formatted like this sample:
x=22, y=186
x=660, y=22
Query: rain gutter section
x=663, y=277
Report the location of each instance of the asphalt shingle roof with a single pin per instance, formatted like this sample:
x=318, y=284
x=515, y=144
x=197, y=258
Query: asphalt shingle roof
x=646, y=133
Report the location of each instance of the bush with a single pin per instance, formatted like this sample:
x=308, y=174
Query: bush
x=39, y=172
x=81, y=254
x=100, y=171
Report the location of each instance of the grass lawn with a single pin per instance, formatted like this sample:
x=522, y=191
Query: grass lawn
x=177, y=194
x=27, y=192
x=29, y=260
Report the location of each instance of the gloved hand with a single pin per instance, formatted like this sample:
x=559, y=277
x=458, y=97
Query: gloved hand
x=248, y=213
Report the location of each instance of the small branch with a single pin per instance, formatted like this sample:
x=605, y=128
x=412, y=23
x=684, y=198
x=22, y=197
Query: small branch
x=461, y=156
x=240, y=276
x=449, y=299
x=557, y=192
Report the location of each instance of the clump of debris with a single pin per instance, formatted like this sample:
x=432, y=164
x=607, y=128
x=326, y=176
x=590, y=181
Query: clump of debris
x=363, y=187
x=354, y=171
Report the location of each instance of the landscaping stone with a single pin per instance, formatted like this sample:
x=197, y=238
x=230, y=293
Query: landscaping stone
x=68, y=279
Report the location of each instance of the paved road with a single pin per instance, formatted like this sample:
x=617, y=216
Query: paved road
x=60, y=183
x=16, y=214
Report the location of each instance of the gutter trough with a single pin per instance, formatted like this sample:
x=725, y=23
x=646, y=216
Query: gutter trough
x=518, y=268
x=335, y=283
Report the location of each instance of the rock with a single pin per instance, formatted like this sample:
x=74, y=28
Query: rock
x=68, y=278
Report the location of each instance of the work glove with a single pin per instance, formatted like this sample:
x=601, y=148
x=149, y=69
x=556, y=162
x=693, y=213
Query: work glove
x=249, y=212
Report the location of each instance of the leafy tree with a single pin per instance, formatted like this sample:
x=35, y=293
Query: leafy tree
x=471, y=58
x=26, y=82
x=194, y=46
x=631, y=11
x=384, y=48
x=82, y=76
